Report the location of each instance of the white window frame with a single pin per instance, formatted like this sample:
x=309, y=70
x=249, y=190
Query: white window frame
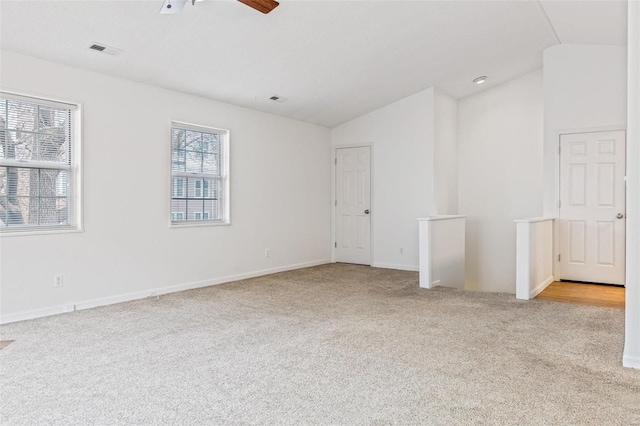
x=74, y=168
x=224, y=199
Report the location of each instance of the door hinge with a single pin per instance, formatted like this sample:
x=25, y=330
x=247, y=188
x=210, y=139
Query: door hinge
x=558, y=258
x=335, y=244
x=559, y=150
x=335, y=161
x=336, y=203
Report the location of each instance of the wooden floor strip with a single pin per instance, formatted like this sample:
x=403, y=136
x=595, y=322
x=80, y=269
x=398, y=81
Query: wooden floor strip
x=607, y=296
x=5, y=343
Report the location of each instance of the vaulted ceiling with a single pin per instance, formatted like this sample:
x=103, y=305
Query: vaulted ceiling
x=333, y=60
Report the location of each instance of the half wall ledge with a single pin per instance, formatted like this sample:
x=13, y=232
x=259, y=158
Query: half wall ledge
x=442, y=251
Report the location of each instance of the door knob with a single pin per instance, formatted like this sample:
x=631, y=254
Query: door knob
x=619, y=215
x=366, y=211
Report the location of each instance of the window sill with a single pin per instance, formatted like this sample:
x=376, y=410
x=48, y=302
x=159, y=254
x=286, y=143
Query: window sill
x=32, y=232
x=193, y=224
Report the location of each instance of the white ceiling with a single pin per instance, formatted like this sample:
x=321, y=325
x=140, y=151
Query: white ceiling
x=334, y=60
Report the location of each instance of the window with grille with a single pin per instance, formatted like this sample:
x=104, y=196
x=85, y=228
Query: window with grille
x=199, y=181
x=38, y=164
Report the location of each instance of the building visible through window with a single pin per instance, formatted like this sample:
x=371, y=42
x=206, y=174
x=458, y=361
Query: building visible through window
x=37, y=164
x=198, y=188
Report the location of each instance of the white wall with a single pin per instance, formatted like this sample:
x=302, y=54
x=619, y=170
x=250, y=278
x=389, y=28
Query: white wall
x=445, y=153
x=585, y=87
x=534, y=256
x=632, y=312
x=401, y=135
x=500, y=133
x=280, y=195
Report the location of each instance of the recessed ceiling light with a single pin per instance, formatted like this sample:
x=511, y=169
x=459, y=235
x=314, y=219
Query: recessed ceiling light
x=480, y=80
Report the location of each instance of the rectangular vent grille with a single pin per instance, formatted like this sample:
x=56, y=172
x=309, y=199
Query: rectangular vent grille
x=99, y=47
x=277, y=98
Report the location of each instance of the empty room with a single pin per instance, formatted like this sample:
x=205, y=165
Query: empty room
x=319, y=212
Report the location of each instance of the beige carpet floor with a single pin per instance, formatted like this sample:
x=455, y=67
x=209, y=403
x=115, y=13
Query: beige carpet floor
x=334, y=344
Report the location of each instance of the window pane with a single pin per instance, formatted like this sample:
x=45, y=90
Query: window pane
x=178, y=209
x=178, y=187
x=22, y=116
x=211, y=164
x=193, y=206
x=22, y=211
x=211, y=207
x=3, y=143
x=177, y=139
x=53, y=211
x=53, y=120
x=210, y=143
x=53, y=148
x=48, y=183
x=3, y=113
x=193, y=140
x=178, y=160
x=3, y=210
x=194, y=162
x=62, y=183
x=20, y=146
x=33, y=196
x=21, y=182
x=195, y=188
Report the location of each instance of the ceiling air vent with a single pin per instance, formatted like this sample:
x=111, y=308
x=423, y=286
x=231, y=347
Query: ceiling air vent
x=105, y=49
x=277, y=98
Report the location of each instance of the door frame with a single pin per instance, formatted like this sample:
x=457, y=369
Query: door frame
x=334, y=181
x=556, y=222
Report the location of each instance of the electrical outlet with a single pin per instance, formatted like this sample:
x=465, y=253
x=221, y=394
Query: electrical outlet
x=58, y=281
x=401, y=250
x=267, y=253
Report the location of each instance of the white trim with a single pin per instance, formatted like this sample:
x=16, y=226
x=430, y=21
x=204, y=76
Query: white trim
x=630, y=361
x=198, y=128
x=536, y=291
x=127, y=297
x=42, y=100
x=412, y=268
x=442, y=217
x=197, y=223
x=16, y=232
x=334, y=194
x=36, y=313
x=29, y=164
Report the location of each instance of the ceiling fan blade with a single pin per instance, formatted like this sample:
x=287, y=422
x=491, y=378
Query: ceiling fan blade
x=172, y=6
x=264, y=6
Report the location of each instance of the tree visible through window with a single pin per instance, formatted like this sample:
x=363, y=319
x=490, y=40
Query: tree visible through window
x=197, y=190
x=36, y=174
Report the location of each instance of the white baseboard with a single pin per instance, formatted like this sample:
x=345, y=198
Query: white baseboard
x=394, y=266
x=127, y=297
x=36, y=313
x=536, y=291
x=631, y=361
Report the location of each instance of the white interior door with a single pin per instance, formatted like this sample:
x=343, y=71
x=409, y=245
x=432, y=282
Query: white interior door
x=592, y=207
x=353, y=205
